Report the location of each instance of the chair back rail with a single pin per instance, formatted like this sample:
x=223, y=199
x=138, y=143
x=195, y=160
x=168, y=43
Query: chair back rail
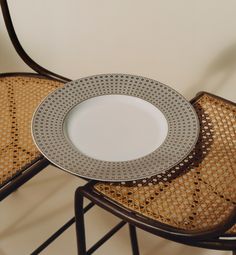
x=19, y=49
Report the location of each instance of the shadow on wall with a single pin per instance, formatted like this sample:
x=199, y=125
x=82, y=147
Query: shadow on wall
x=9, y=60
x=166, y=247
x=218, y=72
x=19, y=225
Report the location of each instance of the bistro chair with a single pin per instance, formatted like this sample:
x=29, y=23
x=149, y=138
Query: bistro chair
x=194, y=203
x=20, y=94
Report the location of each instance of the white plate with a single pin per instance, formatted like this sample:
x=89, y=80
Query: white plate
x=115, y=127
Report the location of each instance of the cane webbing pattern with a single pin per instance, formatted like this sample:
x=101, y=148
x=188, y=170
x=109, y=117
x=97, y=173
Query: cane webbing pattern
x=19, y=97
x=202, y=195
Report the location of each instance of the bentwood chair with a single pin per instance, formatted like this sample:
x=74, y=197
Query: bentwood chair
x=20, y=93
x=194, y=203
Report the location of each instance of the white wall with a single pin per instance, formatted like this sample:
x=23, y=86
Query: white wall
x=187, y=44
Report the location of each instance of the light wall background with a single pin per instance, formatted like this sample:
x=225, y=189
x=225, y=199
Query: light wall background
x=187, y=44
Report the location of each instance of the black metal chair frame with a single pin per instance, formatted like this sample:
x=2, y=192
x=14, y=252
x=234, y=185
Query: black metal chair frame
x=209, y=239
x=35, y=167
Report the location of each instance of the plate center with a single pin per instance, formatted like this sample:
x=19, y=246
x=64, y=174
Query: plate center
x=116, y=127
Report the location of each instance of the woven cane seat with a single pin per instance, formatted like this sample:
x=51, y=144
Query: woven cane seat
x=200, y=192
x=19, y=97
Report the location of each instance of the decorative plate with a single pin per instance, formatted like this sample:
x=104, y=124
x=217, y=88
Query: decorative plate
x=54, y=127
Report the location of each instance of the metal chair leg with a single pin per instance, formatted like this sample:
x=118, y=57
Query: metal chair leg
x=133, y=239
x=79, y=223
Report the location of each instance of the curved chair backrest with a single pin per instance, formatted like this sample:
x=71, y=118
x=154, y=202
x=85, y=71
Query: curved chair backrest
x=19, y=49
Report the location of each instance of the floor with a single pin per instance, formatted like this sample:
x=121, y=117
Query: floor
x=43, y=204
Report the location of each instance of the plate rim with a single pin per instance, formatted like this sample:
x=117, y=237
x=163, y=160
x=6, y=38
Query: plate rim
x=163, y=143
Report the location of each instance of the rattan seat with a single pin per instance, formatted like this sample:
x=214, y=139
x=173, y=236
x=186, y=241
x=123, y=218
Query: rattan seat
x=19, y=96
x=203, y=196
x=194, y=203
